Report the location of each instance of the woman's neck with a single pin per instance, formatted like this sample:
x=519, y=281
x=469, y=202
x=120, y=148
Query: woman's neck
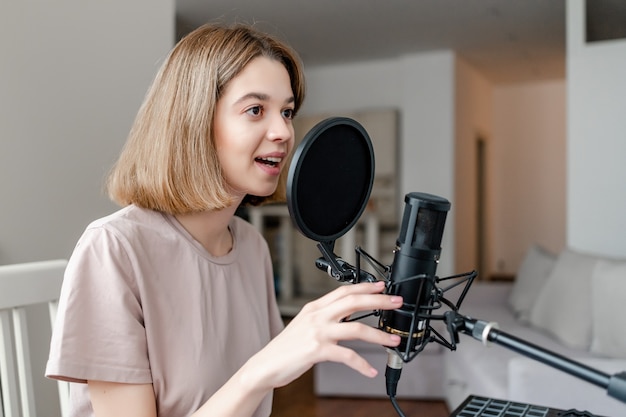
x=210, y=229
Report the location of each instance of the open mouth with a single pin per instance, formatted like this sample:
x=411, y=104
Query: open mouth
x=273, y=162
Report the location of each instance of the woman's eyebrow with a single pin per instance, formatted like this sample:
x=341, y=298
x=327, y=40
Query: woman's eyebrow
x=261, y=97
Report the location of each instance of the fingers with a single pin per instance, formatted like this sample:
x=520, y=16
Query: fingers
x=345, y=300
x=317, y=329
x=361, y=331
x=352, y=359
x=342, y=291
x=313, y=335
x=349, y=357
x=351, y=302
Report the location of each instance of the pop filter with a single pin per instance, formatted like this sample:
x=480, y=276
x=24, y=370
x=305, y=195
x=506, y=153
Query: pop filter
x=330, y=179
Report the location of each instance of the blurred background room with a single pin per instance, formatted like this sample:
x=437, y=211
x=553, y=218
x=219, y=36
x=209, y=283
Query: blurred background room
x=512, y=110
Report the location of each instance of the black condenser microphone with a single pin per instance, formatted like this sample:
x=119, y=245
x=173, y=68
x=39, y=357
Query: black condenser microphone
x=413, y=277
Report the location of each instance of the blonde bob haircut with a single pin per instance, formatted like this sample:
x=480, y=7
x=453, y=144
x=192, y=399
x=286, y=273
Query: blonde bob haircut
x=169, y=162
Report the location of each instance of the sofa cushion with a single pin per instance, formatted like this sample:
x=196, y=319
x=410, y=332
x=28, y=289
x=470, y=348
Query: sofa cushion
x=531, y=277
x=563, y=308
x=608, y=295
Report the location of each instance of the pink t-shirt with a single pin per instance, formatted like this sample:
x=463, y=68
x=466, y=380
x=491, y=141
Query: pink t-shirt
x=144, y=302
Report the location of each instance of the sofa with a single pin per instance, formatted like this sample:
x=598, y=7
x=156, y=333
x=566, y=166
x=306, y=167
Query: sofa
x=567, y=303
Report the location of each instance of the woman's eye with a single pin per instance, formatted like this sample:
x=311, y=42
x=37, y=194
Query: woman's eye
x=255, y=111
x=288, y=113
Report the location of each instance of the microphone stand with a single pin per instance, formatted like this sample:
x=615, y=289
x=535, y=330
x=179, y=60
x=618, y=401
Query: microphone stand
x=456, y=323
x=488, y=332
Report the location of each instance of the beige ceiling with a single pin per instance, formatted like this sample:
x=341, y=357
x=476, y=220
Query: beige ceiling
x=509, y=41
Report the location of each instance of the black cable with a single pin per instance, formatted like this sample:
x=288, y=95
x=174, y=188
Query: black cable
x=396, y=406
x=392, y=376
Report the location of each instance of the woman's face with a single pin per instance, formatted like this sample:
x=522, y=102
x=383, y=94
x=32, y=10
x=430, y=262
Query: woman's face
x=253, y=127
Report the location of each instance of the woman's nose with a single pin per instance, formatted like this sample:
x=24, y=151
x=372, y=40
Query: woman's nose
x=280, y=129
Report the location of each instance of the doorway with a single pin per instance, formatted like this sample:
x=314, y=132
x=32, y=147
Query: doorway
x=481, y=206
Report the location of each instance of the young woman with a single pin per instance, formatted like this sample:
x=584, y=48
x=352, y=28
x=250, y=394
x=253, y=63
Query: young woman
x=168, y=306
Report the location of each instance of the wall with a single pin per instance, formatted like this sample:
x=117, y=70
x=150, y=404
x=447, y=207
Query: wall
x=473, y=120
x=523, y=126
x=421, y=87
x=528, y=155
x=444, y=105
x=73, y=75
x=596, y=126
x=99, y=80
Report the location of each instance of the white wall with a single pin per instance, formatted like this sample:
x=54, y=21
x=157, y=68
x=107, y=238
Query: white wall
x=73, y=75
x=596, y=177
x=421, y=87
x=528, y=154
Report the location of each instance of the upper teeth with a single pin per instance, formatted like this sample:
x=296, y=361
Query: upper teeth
x=272, y=159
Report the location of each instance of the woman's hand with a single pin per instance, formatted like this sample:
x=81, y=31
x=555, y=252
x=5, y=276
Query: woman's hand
x=312, y=336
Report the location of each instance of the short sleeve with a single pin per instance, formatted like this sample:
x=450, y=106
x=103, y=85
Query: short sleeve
x=99, y=332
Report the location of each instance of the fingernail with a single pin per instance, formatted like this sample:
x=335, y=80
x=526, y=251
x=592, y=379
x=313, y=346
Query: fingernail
x=396, y=299
x=394, y=338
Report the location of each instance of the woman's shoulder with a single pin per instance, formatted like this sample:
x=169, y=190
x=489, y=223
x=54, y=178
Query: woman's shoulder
x=127, y=217
x=128, y=223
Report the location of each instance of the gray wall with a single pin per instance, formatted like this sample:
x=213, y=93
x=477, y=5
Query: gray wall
x=72, y=77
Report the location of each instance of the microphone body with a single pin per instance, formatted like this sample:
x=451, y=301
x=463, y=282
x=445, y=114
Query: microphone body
x=413, y=275
x=410, y=278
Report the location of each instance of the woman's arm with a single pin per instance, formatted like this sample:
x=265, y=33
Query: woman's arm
x=117, y=399
x=311, y=337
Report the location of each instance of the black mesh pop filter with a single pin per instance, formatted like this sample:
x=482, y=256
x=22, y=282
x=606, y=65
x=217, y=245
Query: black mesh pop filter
x=330, y=179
